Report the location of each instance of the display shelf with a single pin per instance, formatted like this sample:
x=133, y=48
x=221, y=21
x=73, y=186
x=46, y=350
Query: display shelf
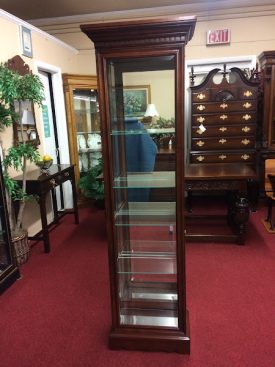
x=161, y=179
x=143, y=131
x=146, y=214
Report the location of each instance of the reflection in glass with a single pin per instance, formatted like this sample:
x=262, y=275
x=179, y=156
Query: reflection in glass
x=86, y=109
x=145, y=205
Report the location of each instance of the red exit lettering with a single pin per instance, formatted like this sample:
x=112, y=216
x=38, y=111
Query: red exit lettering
x=218, y=36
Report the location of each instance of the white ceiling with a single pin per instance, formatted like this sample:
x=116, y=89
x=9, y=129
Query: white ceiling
x=33, y=9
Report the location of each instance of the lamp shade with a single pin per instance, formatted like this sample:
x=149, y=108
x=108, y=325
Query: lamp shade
x=151, y=111
x=27, y=118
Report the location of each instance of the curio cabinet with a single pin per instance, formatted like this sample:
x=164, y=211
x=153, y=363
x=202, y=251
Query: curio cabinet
x=140, y=64
x=9, y=272
x=82, y=109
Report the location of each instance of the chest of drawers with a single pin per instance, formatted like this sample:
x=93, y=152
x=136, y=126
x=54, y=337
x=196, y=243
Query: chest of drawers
x=224, y=118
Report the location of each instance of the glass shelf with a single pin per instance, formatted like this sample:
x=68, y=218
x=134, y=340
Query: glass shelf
x=88, y=132
x=158, y=179
x=146, y=214
x=143, y=131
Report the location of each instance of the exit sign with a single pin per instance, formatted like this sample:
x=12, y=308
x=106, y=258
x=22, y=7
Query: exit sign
x=218, y=37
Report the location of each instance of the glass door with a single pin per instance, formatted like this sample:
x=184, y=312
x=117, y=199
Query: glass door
x=87, y=125
x=144, y=191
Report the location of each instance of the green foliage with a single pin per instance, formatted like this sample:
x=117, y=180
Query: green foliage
x=15, y=87
x=164, y=123
x=15, y=158
x=90, y=185
x=5, y=116
x=15, y=155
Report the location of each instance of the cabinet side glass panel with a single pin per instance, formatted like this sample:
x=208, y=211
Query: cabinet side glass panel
x=87, y=124
x=143, y=182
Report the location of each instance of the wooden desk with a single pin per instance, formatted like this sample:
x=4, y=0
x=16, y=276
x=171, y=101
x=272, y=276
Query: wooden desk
x=40, y=184
x=219, y=177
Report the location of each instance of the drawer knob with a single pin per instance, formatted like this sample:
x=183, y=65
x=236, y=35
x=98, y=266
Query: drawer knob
x=199, y=131
x=224, y=105
x=200, y=143
x=246, y=129
x=223, y=129
x=201, y=96
x=245, y=157
x=223, y=117
x=247, y=105
x=201, y=119
x=222, y=156
x=222, y=141
x=247, y=93
x=201, y=107
x=246, y=117
x=245, y=141
x=200, y=158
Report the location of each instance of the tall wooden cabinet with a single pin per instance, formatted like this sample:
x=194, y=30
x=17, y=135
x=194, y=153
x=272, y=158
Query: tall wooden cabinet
x=224, y=122
x=83, y=121
x=146, y=237
x=267, y=65
x=9, y=271
x=267, y=152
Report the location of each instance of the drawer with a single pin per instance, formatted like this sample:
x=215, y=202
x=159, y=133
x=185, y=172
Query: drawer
x=202, y=96
x=225, y=157
x=224, y=118
x=224, y=130
x=221, y=143
x=230, y=106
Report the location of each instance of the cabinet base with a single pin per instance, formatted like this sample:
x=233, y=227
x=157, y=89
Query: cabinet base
x=7, y=281
x=151, y=340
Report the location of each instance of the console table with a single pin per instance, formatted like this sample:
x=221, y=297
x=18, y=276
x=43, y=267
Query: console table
x=219, y=177
x=40, y=184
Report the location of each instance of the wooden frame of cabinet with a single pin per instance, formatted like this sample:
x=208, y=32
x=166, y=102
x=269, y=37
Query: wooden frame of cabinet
x=9, y=271
x=70, y=83
x=147, y=277
x=267, y=148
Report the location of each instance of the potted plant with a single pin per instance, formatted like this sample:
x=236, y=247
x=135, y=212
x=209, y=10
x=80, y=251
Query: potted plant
x=20, y=89
x=92, y=186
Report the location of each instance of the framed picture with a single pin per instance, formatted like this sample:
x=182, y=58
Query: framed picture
x=136, y=99
x=26, y=40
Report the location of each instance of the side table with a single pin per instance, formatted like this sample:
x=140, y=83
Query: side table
x=40, y=184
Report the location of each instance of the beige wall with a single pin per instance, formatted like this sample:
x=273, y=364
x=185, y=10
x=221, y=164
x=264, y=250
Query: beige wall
x=252, y=31
x=46, y=50
x=162, y=89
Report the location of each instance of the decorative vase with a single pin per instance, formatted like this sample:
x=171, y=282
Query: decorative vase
x=20, y=247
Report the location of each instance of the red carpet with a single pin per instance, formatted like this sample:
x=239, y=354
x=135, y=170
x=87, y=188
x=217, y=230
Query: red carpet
x=58, y=314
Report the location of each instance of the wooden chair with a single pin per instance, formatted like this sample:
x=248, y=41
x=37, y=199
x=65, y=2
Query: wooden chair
x=271, y=200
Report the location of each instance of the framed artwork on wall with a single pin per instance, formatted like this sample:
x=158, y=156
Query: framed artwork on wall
x=26, y=39
x=136, y=98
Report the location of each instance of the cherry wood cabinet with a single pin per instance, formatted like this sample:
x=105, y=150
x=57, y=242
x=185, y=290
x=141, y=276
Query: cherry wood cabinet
x=267, y=152
x=146, y=237
x=225, y=118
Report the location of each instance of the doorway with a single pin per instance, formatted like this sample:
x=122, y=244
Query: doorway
x=54, y=136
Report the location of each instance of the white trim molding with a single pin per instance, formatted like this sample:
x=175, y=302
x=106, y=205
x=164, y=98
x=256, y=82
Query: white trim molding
x=20, y=22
